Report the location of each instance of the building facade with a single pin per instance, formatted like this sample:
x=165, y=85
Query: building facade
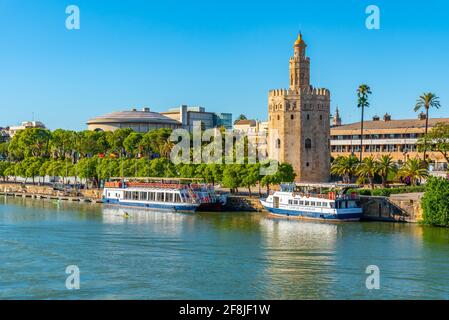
x=298, y=124
x=397, y=138
x=26, y=124
x=140, y=121
x=251, y=127
x=191, y=116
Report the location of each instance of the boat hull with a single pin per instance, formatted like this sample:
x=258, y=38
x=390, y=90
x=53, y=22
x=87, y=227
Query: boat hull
x=217, y=206
x=356, y=215
x=155, y=206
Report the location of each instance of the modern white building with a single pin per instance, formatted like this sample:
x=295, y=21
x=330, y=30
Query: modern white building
x=24, y=125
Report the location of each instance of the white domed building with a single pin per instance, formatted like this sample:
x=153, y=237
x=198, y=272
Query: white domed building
x=140, y=121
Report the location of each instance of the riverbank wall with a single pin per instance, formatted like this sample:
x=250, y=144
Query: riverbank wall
x=47, y=192
x=397, y=208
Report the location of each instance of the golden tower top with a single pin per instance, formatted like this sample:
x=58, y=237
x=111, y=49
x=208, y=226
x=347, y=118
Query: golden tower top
x=299, y=40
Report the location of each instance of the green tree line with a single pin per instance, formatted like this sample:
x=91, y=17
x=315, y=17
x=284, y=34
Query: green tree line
x=349, y=167
x=35, y=153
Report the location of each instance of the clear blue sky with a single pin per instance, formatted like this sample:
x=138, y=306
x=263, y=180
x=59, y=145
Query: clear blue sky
x=223, y=55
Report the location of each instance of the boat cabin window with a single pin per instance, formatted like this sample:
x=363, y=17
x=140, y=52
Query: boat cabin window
x=301, y=203
x=312, y=203
x=352, y=204
x=346, y=204
x=307, y=203
x=169, y=197
x=332, y=204
x=296, y=201
x=143, y=196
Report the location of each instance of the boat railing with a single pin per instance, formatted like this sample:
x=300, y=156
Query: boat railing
x=132, y=184
x=328, y=196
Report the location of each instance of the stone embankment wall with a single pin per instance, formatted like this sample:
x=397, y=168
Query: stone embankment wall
x=243, y=203
x=14, y=188
x=401, y=207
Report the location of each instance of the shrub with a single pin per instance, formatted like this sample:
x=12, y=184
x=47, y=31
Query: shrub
x=435, y=202
x=381, y=192
x=386, y=192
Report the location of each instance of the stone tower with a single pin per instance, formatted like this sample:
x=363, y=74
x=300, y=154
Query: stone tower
x=336, y=119
x=298, y=123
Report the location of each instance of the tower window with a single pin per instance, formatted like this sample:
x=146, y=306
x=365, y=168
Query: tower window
x=292, y=117
x=278, y=117
x=278, y=143
x=321, y=117
x=308, y=117
x=308, y=144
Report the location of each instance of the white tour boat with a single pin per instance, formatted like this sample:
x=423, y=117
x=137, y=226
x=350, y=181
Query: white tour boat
x=152, y=193
x=300, y=201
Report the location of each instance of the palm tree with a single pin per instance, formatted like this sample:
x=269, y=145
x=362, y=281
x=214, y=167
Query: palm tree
x=166, y=147
x=427, y=100
x=240, y=117
x=385, y=165
x=415, y=169
x=344, y=167
x=368, y=169
x=362, y=102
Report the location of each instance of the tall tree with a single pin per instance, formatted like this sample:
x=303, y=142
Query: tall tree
x=250, y=176
x=426, y=101
x=436, y=140
x=345, y=167
x=132, y=143
x=385, y=165
x=414, y=169
x=240, y=117
x=363, y=92
x=368, y=169
x=62, y=143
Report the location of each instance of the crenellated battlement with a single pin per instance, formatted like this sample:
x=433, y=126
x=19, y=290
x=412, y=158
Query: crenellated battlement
x=303, y=91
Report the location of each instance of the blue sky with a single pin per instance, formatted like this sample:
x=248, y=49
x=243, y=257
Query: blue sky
x=223, y=55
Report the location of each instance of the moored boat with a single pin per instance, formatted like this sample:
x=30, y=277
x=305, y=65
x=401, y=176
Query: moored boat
x=208, y=198
x=301, y=201
x=182, y=195
x=152, y=193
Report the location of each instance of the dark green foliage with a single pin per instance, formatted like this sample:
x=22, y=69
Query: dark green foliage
x=386, y=192
x=435, y=202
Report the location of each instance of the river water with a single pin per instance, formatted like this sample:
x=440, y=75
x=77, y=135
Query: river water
x=156, y=255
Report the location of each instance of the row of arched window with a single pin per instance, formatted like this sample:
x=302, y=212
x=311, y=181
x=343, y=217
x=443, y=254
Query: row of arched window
x=307, y=143
x=292, y=117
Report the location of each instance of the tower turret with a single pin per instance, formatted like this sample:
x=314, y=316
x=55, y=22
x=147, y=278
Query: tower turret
x=336, y=120
x=299, y=66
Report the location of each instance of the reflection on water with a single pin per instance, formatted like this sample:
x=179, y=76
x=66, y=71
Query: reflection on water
x=300, y=257
x=162, y=255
